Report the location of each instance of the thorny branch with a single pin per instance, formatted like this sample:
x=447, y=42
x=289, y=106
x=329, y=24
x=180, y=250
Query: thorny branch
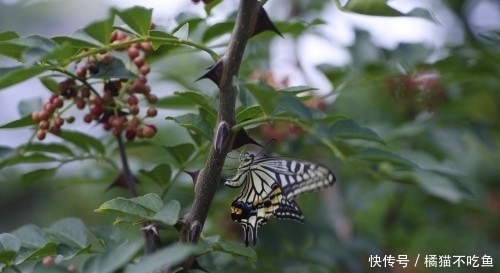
x=209, y=178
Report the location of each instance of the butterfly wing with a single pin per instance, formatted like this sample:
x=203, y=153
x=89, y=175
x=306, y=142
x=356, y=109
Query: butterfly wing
x=297, y=176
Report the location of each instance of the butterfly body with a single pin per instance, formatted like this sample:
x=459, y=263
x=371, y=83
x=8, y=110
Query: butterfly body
x=269, y=188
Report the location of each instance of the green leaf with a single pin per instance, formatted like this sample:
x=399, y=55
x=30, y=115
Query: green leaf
x=12, y=75
x=296, y=28
x=183, y=32
x=349, y=129
x=298, y=89
x=22, y=122
x=378, y=156
x=137, y=18
x=175, y=102
x=11, y=49
x=195, y=123
x=142, y=207
x=439, y=186
x=70, y=232
x=55, y=148
x=265, y=96
x=108, y=236
x=112, y=259
x=160, y=174
x=163, y=258
x=115, y=69
x=158, y=38
x=6, y=151
x=28, y=159
x=249, y=113
x=293, y=105
x=83, y=141
x=29, y=105
x=169, y=213
x=8, y=35
x=79, y=39
x=217, y=30
x=205, y=102
x=9, y=246
x=210, y=5
x=237, y=249
x=38, y=175
x=370, y=7
x=50, y=84
x=100, y=30
x=57, y=268
x=181, y=152
x=34, y=243
x=150, y=201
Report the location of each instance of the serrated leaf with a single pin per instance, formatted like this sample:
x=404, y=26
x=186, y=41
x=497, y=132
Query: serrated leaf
x=83, y=141
x=248, y=113
x=29, y=105
x=160, y=174
x=22, y=122
x=195, y=123
x=70, y=232
x=379, y=156
x=201, y=100
x=38, y=175
x=164, y=258
x=137, y=18
x=181, y=152
x=12, y=75
x=169, y=213
x=349, y=129
x=115, y=69
x=100, y=30
x=237, y=249
x=9, y=246
x=112, y=259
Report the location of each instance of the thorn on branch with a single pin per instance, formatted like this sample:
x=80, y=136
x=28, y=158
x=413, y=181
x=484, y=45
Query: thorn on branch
x=263, y=23
x=214, y=73
x=242, y=138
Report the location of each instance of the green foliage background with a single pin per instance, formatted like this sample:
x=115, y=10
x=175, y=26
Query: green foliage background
x=416, y=155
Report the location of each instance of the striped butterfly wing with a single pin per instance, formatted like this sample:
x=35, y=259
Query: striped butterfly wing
x=297, y=176
x=269, y=186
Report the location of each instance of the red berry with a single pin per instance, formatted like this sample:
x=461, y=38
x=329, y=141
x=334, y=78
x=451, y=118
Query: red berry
x=48, y=261
x=133, y=52
x=132, y=100
x=107, y=58
x=152, y=98
x=145, y=69
x=88, y=118
x=133, y=109
x=149, y=131
x=81, y=72
x=71, y=268
x=152, y=112
x=70, y=119
x=58, y=103
x=80, y=103
x=146, y=46
x=85, y=92
x=35, y=116
x=40, y=135
x=139, y=61
x=43, y=124
x=58, y=122
x=44, y=115
x=55, y=130
x=96, y=110
x=49, y=108
x=130, y=134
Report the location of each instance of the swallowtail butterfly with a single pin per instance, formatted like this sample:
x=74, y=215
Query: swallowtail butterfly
x=270, y=185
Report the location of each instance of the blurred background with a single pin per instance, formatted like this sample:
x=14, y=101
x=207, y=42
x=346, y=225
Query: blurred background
x=427, y=84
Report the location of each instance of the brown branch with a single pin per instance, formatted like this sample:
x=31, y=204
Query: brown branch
x=208, y=180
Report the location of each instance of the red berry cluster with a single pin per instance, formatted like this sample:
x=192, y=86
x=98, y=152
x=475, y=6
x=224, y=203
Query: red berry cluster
x=116, y=107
